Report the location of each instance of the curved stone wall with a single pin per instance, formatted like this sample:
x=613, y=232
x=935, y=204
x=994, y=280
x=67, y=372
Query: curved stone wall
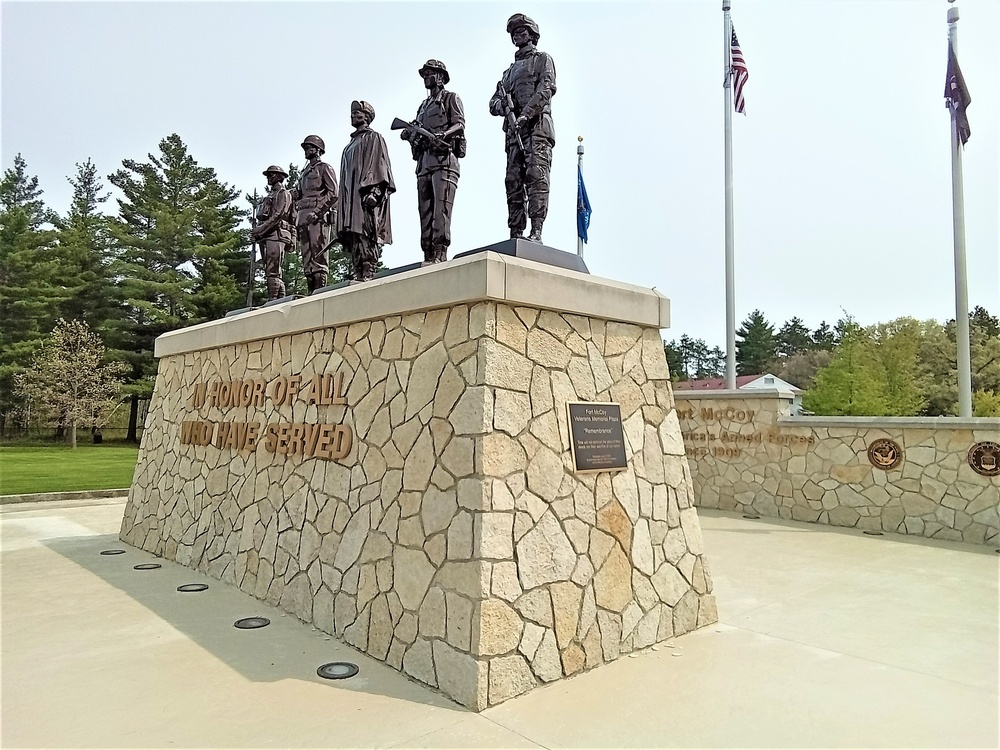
x=747, y=456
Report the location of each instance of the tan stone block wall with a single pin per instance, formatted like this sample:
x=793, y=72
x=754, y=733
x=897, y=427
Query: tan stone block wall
x=746, y=456
x=454, y=541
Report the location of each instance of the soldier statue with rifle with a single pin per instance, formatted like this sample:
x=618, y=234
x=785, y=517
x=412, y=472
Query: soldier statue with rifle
x=273, y=229
x=523, y=98
x=315, y=204
x=437, y=141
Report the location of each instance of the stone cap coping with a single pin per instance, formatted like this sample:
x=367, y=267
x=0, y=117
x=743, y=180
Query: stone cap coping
x=485, y=276
x=729, y=394
x=925, y=423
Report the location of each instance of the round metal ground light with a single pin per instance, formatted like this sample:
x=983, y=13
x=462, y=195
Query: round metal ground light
x=147, y=566
x=251, y=623
x=192, y=587
x=337, y=670
x=113, y=552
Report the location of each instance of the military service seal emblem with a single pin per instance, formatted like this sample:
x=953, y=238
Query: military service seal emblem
x=885, y=454
x=984, y=458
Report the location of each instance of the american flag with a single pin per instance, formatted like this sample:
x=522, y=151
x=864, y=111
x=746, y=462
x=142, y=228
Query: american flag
x=739, y=72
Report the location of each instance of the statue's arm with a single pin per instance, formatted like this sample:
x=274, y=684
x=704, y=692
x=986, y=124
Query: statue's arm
x=544, y=90
x=329, y=188
x=496, y=102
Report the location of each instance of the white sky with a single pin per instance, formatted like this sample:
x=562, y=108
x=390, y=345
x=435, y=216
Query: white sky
x=842, y=164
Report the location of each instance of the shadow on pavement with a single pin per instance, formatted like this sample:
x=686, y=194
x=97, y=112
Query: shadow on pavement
x=285, y=649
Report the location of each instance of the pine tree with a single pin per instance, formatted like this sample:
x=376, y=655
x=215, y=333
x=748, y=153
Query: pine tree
x=824, y=337
x=29, y=301
x=180, y=260
x=86, y=250
x=675, y=363
x=793, y=338
x=755, y=344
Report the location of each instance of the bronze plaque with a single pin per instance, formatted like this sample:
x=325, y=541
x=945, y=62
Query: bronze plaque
x=885, y=454
x=984, y=458
x=596, y=437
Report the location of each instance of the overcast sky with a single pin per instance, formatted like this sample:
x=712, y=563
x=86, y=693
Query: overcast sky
x=842, y=163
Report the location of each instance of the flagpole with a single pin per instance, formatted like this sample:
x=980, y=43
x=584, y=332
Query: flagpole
x=958, y=222
x=730, y=291
x=579, y=166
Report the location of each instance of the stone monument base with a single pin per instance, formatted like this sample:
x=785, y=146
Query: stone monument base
x=391, y=462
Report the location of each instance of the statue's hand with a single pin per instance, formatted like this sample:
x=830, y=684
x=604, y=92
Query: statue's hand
x=369, y=201
x=405, y=135
x=521, y=120
x=313, y=217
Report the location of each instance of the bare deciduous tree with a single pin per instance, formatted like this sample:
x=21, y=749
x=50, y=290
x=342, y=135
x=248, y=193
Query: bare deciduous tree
x=68, y=381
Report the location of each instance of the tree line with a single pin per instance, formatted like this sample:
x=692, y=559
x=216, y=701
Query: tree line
x=175, y=253
x=905, y=367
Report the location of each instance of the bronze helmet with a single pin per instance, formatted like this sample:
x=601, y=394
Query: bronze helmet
x=314, y=140
x=519, y=19
x=275, y=169
x=438, y=66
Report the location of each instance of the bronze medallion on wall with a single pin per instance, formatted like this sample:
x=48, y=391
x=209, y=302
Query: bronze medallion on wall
x=885, y=454
x=984, y=458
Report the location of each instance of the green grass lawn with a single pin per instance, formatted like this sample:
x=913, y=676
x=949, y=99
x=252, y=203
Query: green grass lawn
x=59, y=469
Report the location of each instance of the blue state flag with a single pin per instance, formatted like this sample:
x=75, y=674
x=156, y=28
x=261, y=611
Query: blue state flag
x=582, y=206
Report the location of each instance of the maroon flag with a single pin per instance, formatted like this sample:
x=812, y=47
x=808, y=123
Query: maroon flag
x=957, y=96
x=739, y=72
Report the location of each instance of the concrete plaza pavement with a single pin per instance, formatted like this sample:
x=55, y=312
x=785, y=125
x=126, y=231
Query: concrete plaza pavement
x=827, y=638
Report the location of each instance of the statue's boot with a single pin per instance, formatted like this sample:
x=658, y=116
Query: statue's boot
x=310, y=283
x=367, y=272
x=272, y=288
x=536, y=230
x=440, y=253
x=516, y=234
x=428, y=254
x=320, y=280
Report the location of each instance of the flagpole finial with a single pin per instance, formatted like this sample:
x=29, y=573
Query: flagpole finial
x=579, y=149
x=725, y=4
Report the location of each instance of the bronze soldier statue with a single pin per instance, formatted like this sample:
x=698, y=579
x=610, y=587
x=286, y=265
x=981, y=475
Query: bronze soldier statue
x=274, y=229
x=363, y=223
x=440, y=115
x=523, y=98
x=315, y=203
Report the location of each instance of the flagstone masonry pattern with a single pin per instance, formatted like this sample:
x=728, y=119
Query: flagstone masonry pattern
x=933, y=492
x=454, y=542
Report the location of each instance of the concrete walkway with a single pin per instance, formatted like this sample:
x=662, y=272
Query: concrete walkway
x=828, y=638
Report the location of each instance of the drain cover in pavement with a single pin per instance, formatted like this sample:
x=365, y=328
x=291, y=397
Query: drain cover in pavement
x=874, y=533
x=337, y=670
x=147, y=566
x=249, y=623
x=193, y=587
x=752, y=518
x=113, y=552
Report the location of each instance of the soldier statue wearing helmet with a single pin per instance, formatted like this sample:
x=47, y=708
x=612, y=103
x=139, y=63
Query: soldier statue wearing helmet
x=273, y=229
x=440, y=115
x=523, y=98
x=315, y=203
x=363, y=223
